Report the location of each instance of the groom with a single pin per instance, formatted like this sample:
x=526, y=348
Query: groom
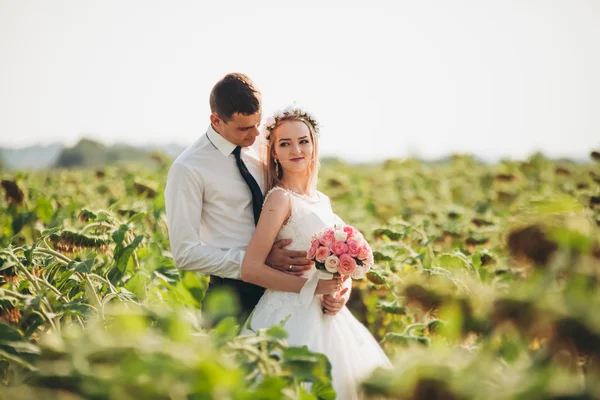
x=214, y=196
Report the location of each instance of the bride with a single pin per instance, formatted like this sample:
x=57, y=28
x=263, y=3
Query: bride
x=293, y=208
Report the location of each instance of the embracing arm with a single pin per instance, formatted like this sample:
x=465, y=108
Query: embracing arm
x=254, y=270
x=183, y=202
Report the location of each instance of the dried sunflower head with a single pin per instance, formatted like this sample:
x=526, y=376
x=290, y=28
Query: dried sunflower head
x=8, y=273
x=13, y=193
x=71, y=242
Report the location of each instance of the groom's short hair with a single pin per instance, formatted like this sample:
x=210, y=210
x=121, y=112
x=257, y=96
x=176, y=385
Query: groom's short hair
x=235, y=93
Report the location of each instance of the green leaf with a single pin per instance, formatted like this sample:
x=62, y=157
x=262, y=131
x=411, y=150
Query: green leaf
x=391, y=308
x=378, y=257
x=29, y=254
x=195, y=283
x=9, y=333
x=388, y=233
x=44, y=210
x=323, y=391
x=306, y=365
x=225, y=331
x=138, y=284
x=119, y=235
x=122, y=257
x=220, y=303
x=277, y=331
x=572, y=239
x=22, y=219
x=49, y=232
x=404, y=340
x=555, y=204
x=304, y=395
x=449, y=261
x=270, y=388
x=78, y=307
x=84, y=266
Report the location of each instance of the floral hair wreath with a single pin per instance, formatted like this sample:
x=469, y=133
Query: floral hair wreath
x=291, y=111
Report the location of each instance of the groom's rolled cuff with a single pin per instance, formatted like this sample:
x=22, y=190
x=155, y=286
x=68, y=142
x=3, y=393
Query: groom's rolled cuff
x=224, y=263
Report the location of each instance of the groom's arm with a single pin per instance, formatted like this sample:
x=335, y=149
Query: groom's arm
x=183, y=203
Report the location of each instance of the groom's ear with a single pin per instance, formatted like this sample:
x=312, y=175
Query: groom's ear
x=215, y=120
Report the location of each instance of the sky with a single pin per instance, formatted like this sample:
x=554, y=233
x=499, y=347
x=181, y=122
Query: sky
x=385, y=78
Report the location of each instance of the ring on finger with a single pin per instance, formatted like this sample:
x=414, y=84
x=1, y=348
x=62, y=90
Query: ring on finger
x=290, y=267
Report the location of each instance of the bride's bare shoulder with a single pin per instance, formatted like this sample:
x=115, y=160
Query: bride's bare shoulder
x=276, y=197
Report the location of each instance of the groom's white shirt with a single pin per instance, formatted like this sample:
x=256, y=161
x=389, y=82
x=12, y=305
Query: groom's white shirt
x=209, y=206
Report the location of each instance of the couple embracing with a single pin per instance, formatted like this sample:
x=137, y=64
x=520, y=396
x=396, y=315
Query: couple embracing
x=231, y=211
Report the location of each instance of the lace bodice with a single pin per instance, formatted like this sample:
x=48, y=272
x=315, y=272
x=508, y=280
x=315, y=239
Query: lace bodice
x=309, y=215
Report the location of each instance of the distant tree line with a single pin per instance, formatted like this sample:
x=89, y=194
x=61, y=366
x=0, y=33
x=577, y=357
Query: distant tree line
x=89, y=153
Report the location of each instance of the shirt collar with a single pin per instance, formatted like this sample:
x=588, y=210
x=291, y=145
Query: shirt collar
x=222, y=144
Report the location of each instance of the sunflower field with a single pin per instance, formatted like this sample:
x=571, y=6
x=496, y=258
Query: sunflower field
x=486, y=286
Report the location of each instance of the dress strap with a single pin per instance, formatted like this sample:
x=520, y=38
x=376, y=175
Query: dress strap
x=292, y=201
x=274, y=189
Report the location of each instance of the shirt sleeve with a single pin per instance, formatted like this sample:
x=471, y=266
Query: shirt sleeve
x=184, y=202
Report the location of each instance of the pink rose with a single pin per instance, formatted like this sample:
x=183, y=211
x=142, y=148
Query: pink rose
x=331, y=264
x=363, y=252
x=370, y=260
x=350, y=231
x=353, y=247
x=347, y=264
x=322, y=254
x=327, y=238
x=313, y=249
x=339, y=248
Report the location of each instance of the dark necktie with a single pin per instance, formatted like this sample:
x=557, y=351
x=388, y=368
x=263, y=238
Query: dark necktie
x=257, y=197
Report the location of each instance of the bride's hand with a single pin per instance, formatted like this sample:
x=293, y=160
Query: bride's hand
x=328, y=286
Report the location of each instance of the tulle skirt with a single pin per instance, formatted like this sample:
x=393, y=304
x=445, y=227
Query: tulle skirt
x=351, y=349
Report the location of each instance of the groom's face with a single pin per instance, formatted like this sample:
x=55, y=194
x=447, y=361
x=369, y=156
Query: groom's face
x=241, y=130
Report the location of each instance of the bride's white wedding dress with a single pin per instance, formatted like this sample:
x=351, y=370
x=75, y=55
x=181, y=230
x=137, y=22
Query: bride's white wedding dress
x=350, y=347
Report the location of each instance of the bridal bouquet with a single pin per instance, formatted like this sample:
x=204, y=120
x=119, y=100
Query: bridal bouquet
x=341, y=250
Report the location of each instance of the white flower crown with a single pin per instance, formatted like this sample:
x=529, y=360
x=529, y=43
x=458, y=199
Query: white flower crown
x=290, y=111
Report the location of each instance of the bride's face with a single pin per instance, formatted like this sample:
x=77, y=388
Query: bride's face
x=293, y=146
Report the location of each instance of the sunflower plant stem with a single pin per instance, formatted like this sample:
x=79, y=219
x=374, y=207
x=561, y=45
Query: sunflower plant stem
x=96, y=225
x=105, y=281
x=94, y=298
x=54, y=253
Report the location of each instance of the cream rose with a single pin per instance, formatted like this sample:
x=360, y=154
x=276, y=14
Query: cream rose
x=331, y=264
x=340, y=236
x=358, y=273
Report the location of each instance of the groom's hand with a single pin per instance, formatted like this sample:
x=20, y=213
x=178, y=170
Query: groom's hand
x=289, y=261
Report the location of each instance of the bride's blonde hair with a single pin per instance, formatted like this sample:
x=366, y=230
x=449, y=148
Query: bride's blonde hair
x=272, y=179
